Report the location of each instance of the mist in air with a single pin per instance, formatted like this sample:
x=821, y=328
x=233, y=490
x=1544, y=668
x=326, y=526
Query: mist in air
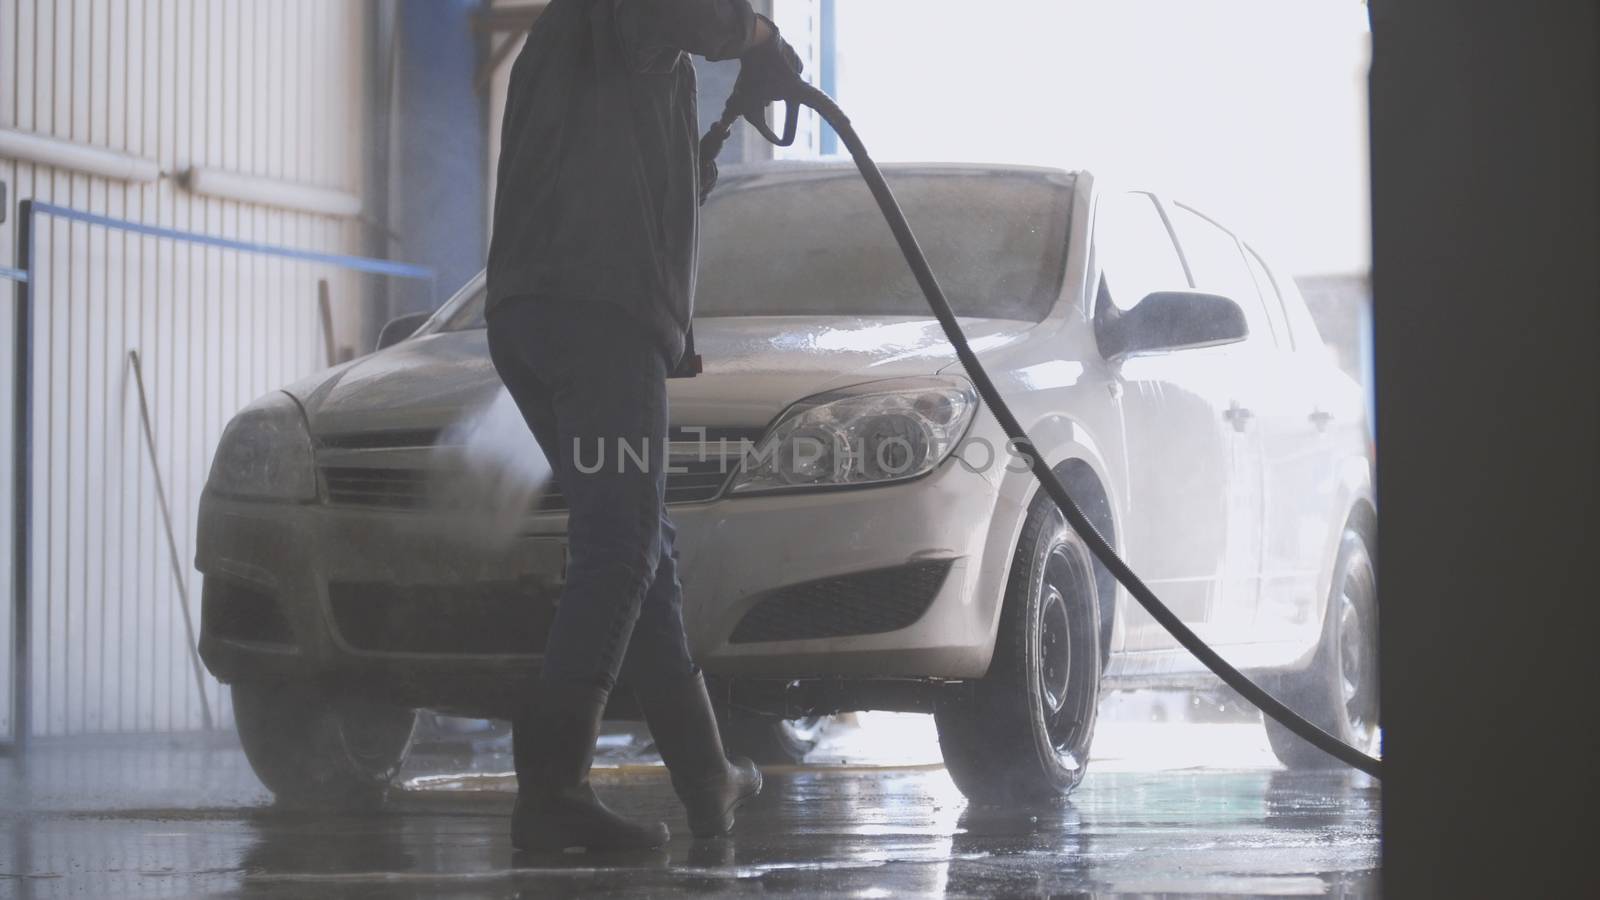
x=492, y=474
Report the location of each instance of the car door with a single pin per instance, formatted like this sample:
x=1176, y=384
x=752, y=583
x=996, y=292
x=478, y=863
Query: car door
x=1306, y=421
x=1180, y=453
x=1248, y=371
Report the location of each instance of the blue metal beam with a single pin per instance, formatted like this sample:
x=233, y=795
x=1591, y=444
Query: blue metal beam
x=356, y=263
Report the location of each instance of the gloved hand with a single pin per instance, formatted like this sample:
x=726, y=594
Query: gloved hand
x=767, y=72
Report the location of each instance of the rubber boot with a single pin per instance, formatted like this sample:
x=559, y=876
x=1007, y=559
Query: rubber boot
x=684, y=725
x=553, y=745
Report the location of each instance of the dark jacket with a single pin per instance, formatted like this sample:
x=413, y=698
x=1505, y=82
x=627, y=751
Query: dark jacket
x=598, y=184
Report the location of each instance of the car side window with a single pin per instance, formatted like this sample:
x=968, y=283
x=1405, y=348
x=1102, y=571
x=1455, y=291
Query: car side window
x=1267, y=286
x=1216, y=260
x=1135, y=250
x=1301, y=326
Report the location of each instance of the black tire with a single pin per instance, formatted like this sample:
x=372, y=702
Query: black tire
x=1021, y=734
x=1338, y=692
x=776, y=742
x=310, y=749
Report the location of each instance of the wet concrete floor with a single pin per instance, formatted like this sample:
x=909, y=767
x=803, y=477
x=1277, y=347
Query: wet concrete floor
x=1166, y=809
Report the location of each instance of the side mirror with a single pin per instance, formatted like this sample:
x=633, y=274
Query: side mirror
x=399, y=329
x=1170, y=320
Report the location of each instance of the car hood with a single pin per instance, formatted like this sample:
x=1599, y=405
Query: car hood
x=754, y=368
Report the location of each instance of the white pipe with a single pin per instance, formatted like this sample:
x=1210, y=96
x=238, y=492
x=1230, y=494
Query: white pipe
x=25, y=146
x=272, y=192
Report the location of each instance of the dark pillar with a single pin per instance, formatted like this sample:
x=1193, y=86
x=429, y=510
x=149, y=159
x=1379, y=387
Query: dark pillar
x=1486, y=278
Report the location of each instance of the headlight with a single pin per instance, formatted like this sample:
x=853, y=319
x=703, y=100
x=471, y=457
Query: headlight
x=266, y=453
x=868, y=434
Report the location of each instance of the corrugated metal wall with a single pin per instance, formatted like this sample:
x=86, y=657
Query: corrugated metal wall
x=271, y=88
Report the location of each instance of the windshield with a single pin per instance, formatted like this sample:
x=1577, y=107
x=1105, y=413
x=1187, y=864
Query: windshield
x=815, y=244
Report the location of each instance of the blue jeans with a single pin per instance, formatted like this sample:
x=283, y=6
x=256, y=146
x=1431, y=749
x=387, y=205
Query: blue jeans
x=593, y=390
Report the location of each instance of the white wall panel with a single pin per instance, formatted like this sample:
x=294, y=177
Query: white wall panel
x=266, y=89
x=9, y=103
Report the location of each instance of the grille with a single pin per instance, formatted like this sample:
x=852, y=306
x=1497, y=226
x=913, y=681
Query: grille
x=237, y=612
x=406, y=487
x=387, y=488
x=862, y=603
x=382, y=440
x=488, y=618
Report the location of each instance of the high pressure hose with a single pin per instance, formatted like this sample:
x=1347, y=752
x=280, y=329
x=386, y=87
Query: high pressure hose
x=802, y=94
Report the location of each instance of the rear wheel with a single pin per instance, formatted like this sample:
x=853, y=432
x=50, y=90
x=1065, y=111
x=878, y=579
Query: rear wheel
x=1021, y=734
x=309, y=748
x=1339, y=691
x=782, y=742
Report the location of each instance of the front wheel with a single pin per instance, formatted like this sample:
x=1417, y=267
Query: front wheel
x=1021, y=734
x=1339, y=691
x=310, y=748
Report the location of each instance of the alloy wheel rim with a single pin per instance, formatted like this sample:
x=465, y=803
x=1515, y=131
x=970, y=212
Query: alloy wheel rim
x=1065, y=584
x=1055, y=650
x=806, y=729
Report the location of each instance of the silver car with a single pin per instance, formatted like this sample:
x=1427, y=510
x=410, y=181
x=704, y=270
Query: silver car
x=1170, y=374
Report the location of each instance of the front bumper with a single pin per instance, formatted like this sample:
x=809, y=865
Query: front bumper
x=312, y=562
x=738, y=552
x=301, y=561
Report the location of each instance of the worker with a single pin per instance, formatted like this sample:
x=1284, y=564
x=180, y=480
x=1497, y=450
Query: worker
x=591, y=281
